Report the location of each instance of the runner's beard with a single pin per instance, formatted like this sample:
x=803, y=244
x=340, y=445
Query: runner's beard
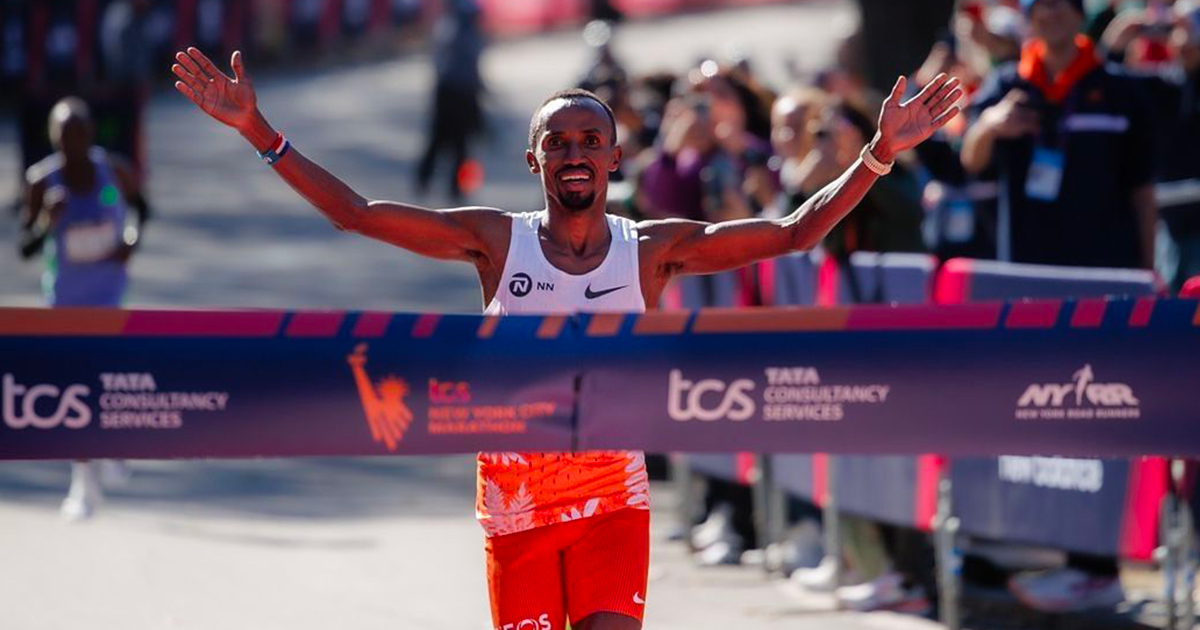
x=577, y=201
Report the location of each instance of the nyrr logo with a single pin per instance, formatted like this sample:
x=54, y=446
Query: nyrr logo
x=1089, y=399
x=685, y=399
x=20, y=405
x=383, y=402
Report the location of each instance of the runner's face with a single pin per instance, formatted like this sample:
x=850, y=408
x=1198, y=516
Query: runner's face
x=72, y=136
x=575, y=153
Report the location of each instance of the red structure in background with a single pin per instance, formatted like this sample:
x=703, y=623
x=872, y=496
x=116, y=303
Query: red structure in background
x=527, y=16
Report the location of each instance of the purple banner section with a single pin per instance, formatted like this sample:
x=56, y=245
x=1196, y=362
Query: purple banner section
x=275, y=384
x=152, y=384
x=782, y=381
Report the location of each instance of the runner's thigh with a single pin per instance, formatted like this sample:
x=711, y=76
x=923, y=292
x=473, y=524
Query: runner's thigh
x=525, y=580
x=606, y=568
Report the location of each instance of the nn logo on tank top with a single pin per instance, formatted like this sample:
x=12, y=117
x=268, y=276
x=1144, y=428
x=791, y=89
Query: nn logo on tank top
x=521, y=285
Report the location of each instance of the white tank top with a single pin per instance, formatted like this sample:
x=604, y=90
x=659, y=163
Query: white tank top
x=522, y=491
x=531, y=285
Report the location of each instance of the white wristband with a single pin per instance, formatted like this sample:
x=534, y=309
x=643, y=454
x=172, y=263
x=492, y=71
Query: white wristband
x=873, y=164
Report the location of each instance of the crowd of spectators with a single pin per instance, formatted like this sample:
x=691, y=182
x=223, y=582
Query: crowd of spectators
x=1079, y=119
x=1072, y=118
x=108, y=52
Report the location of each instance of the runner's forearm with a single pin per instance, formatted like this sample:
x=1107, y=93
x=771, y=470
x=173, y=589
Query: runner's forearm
x=328, y=194
x=813, y=220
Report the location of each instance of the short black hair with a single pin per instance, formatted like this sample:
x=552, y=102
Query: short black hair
x=538, y=123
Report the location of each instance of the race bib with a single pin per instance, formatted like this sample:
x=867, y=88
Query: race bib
x=1045, y=175
x=90, y=242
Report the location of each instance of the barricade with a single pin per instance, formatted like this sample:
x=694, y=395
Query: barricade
x=691, y=470
x=1122, y=497
x=1178, y=528
x=1041, y=501
x=894, y=489
x=1105, y=507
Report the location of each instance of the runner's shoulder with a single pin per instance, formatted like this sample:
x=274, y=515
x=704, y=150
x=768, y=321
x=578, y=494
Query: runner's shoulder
x=484, y=217
x=668, y=230
x=42, y=169
x=492, y=225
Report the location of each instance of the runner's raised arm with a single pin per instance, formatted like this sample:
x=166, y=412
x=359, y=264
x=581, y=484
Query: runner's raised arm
x=457, y=234
x=691, y=247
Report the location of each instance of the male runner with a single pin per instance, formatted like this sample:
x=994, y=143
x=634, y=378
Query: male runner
x=567, y=533
x=75, y=203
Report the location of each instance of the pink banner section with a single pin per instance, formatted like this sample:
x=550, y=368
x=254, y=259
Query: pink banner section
x=372, y=324
x=1140, y=317
x=315, y=324
x=882, y=317
x=203, y=323
x=1089, y=313
x=1033, y=314
x=425, y=326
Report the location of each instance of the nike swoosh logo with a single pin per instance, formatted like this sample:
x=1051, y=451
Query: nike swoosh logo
x=637, y=599
x=591, y=295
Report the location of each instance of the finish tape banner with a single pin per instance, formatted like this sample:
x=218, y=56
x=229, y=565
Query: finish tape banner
x=1091, y=378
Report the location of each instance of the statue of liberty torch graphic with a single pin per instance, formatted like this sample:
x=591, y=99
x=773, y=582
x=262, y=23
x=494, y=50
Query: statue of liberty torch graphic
x=383, y=402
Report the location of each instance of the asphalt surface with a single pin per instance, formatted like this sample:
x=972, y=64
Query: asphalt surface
x=228, y=233
x=343, y=543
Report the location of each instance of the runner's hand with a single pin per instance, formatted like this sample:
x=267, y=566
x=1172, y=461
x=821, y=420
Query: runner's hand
x=230, y=101
x=903, y=126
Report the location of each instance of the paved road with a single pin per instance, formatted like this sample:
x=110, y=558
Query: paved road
x=229, y=234
x=315, y=544
x=321, y=543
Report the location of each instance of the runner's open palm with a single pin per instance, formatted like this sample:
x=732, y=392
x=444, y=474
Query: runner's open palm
x=231, y=101
x=905, y=125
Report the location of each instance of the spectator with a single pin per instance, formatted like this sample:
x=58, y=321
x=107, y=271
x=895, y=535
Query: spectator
x=896, y=563
x=888, y=219
x=60, y=37
x=710, y=138
x=1139, y=37
x=793, y=120
x=1051, y=123
x=604, y=11
x=1072, y=144
x=457, y=47
x=711, y=163
x=960, y=209
x=1180, y=116
x=990, y=33
x=1160, y=44
x=126, y=77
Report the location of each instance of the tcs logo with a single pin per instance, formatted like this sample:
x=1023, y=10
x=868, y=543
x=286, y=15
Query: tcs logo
x=541, y=623
x=685, y=399
x=20, y=405
x=449, y=392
